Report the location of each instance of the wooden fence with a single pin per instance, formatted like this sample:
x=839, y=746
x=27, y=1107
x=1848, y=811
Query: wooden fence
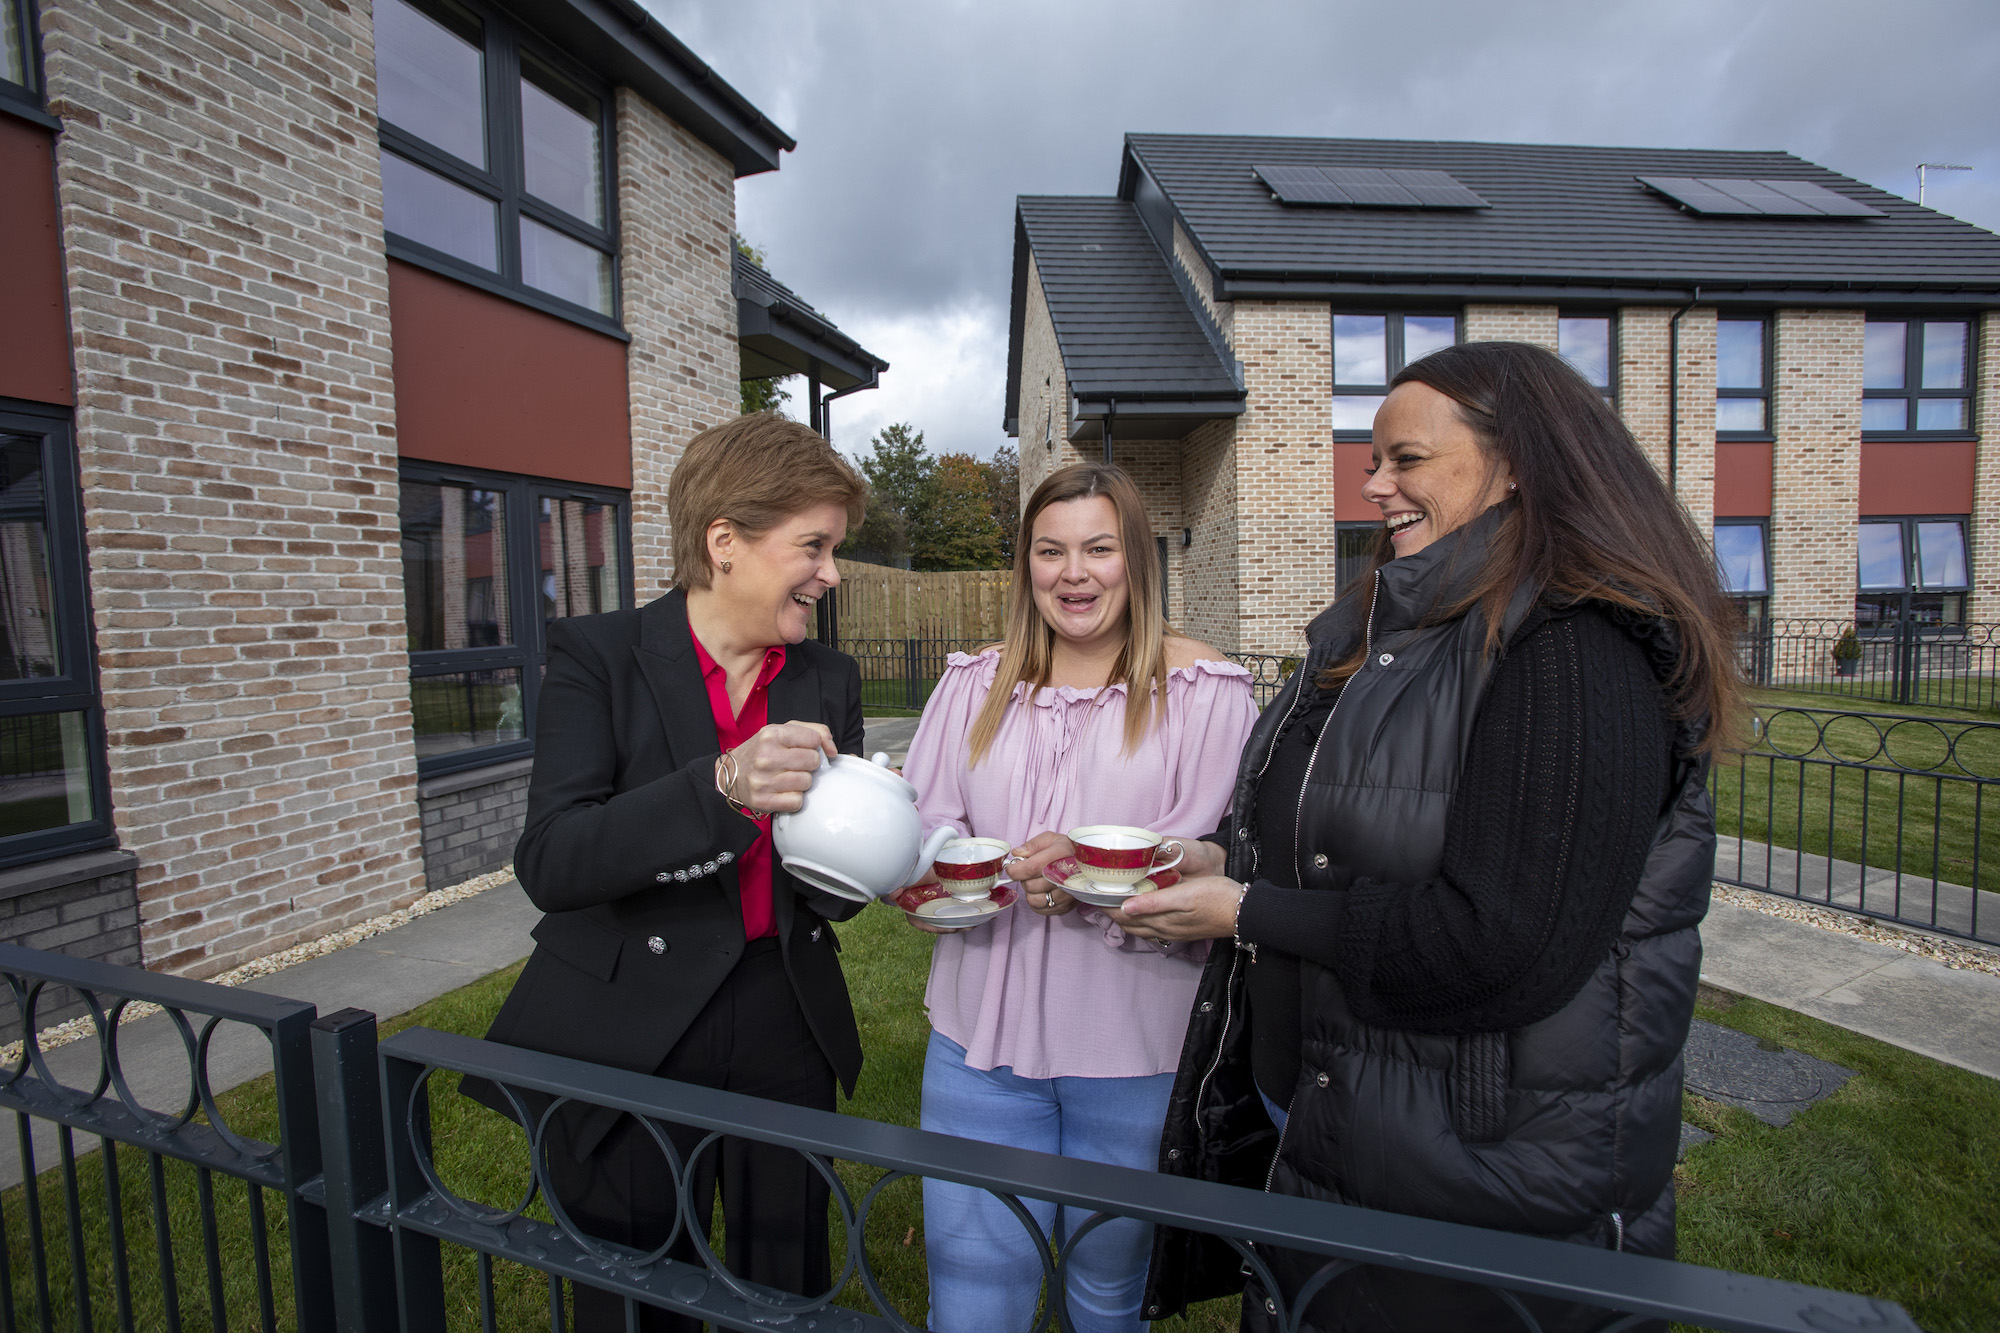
x=877, y=602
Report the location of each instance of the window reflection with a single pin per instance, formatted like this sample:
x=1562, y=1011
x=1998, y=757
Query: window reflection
x=1360, y=350
x=1354, y=554
x=27, y=610
x=442, y=214
x=1424, y=334
x=1586, y=344
x=44, y=773
x=1944, y=356
x=1739, y=555
x=563, y=266
x=1355, y=411
x=580, y=560
x=1739, y=414
x=1941, y=554
x=454, y=567
x=1883, y=356
x=561, y=142
x=430, y=76
x=1885, y=414
x=1881, y=555
x=13, y=60
x=1739, y=356
x=466, y=709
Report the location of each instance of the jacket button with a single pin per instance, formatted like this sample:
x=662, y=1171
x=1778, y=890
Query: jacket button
x=1270, y=1306
x=656, y=944
x=665, y=876
x=1322, y=1080
x=1208, y=1006
x=1173, y=1154
x=1385, y=659
x=815, y=934
x=1319, y=860
x=1152, y=1312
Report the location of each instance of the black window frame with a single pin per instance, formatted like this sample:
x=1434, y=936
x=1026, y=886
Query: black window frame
x=1769, y=433
x=1611, y=346
x=504, y=181
x=1344, y=528
x=1393, y=352
x=522, y=497
x=1744, y=599
x=1913, y=369
x=76, y=689
x=1912, y=571
x=26, y=99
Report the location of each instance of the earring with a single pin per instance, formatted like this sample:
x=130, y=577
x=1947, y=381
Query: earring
x=725, y=566
x=1511, y=488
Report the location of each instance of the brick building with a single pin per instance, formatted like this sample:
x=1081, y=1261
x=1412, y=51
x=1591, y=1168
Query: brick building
x=341, y=347
x=1813, y=363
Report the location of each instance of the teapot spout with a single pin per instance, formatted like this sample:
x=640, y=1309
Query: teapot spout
x=929, y=853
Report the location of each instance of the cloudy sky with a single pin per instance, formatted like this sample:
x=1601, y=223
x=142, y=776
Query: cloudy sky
x=918, y=122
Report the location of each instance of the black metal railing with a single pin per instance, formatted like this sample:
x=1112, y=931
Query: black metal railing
x=1892, y=661
x=376, y=1237
x=901, y=673
x=1880, y=814
x=163, y=1148
x=1268, y=673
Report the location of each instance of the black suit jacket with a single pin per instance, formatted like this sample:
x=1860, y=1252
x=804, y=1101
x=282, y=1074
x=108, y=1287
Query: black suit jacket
x=630, y=852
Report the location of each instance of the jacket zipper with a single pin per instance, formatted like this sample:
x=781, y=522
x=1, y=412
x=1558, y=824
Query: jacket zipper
x=1298, y=818
x=1236, y=950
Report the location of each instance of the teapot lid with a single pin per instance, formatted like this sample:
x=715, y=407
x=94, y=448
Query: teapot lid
x=876, y=770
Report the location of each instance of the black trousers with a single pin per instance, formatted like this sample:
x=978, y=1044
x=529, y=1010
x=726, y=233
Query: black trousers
x=752, y=1038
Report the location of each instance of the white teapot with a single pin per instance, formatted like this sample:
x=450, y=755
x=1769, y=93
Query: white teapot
x=858, y=835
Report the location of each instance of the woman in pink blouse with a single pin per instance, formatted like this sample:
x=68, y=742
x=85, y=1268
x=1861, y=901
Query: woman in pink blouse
x=1053, y=1029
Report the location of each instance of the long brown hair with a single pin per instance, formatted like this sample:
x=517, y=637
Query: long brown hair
x=1592, y=519
x=1029, y=651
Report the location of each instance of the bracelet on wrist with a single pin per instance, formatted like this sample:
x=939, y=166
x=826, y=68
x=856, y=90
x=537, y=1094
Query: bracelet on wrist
x=726, y=774
x=1236, y=924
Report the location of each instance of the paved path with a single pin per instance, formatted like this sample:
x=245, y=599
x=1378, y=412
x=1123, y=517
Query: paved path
x=1949, y=1014
x=891, y=734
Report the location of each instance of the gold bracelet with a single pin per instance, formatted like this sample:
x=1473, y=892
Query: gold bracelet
x=1236, y=924
x=726, y=773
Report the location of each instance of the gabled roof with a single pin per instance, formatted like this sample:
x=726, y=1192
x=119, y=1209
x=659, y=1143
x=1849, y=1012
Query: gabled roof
x=1565, y=222
x=780, y=334
x=624, y=44
x=1126, y=331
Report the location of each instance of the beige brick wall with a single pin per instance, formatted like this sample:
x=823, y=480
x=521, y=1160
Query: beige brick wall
x=1694, y=478
x=1815, y=505
x=1284, y=472
x=677, y=208
x=1642, y=379
x=1511, y=323
x=1155, y=466
x=222, y=219
x=1191, y=262
x=1044, y=405
x=1210, y=590
x=1984, y=539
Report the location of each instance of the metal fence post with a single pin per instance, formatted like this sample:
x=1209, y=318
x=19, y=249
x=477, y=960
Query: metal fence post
x=299, y=1137
x=357, y=1170
x=910, y=688
x=406, y=1125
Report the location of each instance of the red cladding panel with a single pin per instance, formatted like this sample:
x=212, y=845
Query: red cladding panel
x=1742, y=480
x=34, y=328
x=1913, y=477
x=1351, y=462
x=485, y=382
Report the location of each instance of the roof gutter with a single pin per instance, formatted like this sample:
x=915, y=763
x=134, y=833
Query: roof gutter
x=1674, y=393
x=1841, y=296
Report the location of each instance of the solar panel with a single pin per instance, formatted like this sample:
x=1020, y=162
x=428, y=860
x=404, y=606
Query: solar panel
x=1436, y=189
x=1696, y=195
x=1371, y=185
x=1823, y=199
x=1302, y=185
x=1736, y=196
x=1393, y=187
x=1761, y=197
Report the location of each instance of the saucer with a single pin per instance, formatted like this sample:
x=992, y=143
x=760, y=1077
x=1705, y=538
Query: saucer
x=936, y=908
x=1068, y=874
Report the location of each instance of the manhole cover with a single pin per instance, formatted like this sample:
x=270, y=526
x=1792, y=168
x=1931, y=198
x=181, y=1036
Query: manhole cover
x=1772, y=1084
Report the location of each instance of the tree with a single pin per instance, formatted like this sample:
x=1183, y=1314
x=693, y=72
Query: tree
x=761, y=395
x=897, y=469
x=953, y=527
x=1003, y=496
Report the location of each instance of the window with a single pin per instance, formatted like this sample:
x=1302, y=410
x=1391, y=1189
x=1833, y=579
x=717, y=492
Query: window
x=1368, y=350
x=1916, y=376
x=1914, y=568
x=54, y=795
x=1742, y=379
x=1354, y=546
x=1742, y=559
x=495, y=160
x=1585, y=342
x=17, y=53
x=488, y=561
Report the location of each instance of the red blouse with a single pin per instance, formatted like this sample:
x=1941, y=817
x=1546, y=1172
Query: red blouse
x=753, y=868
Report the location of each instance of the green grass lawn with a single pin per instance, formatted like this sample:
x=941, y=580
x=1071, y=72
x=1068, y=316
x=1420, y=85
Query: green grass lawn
x=1788, y=791
x=1890, y=1187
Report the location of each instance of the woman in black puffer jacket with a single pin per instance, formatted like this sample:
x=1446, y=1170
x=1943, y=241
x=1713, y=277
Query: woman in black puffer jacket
x=1468, y=852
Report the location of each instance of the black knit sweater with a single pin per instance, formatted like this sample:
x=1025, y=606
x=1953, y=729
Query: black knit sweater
x=1555, y=811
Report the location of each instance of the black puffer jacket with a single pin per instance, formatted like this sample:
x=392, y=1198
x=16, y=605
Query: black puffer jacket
x=1565, y=1128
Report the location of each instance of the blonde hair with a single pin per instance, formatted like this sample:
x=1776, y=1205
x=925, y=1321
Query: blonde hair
x=1029, y=651
x=755, y=471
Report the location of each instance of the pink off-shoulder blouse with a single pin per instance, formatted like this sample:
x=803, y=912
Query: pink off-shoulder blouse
x=1072, y=996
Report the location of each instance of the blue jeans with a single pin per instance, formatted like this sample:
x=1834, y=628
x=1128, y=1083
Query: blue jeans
x=985, y=1274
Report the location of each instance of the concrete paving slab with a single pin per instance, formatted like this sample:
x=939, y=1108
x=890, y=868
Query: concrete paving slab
x=1767, y=1080
x=1949, y=1014
x=1691, y=1137
x=891, y=734
x=387, y=975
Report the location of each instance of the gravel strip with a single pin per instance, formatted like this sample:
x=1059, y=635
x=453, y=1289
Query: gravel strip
x=1952, y=953
x=62, y=1034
